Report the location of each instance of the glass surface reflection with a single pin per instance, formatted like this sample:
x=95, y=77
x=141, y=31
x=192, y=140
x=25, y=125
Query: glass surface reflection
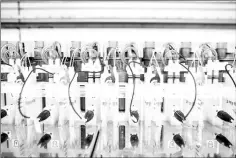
x=153, y=141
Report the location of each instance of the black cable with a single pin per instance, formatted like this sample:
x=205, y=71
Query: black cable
x=6, y=64
x=63, y=60
x=95, y=144
x=195, y=85
x=70, y=97
x=102, y=65
x=195, y=95
x=132, y=98
x=172, y=48
x=57, y=49
x=24, y=82
x=70, y=86
x=229, y=73
x=138, y=63
x=182, y=57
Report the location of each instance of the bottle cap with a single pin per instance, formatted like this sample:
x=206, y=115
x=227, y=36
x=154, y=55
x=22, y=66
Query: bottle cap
x=221, y=45
x=3, y=43
x=149, y=44
x=186, y=44
x=39, y=44
x=11, y=61
x=113, y=44
x=76, y=44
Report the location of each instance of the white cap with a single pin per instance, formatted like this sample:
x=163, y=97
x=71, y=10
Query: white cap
x=186, y=44
x=149, y=44
x=39, y=44
x=76, y=44
x=222, y=45
x=113, y=44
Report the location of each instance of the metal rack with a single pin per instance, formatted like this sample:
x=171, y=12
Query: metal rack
x=117, y=14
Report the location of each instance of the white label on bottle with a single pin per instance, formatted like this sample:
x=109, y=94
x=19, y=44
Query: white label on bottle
x=171, y=144
x=15, y=143
x=37, y=126
x=55, y=143
x=210, y=144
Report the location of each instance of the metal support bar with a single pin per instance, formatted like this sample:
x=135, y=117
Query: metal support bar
x=13, y=25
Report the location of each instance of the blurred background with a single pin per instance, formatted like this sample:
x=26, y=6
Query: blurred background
x=195, y=21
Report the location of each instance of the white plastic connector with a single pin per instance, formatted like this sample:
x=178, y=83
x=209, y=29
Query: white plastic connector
x=18, y=62
x=63, y=75
x=116, y=75
x=24, y=71
x=171, y=62
x=32, y=78
x=210, y=66
x=11, y=62
x=83, y=67
x=56, y=77
x=90, y=65
x=11, y=77
x=71, y=72
x=37, y=70
x=104, y=75
x=57, y=62
x=160, y=74
x=176, y=67
x=131, y=66
x=148, y=75
x=50, y=62
x=87, y=66
x=97, y=65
